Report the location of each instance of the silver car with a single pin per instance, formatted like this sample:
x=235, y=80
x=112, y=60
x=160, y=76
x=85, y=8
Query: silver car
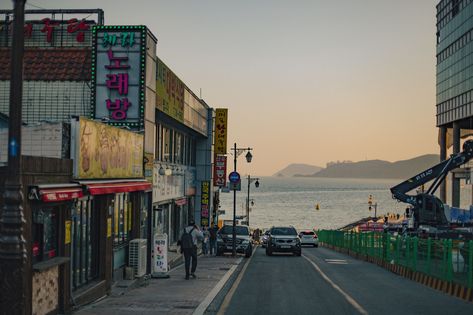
x=309, y=238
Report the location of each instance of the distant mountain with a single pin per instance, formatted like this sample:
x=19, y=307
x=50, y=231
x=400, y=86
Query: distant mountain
x=298, y=169
x=379, y=168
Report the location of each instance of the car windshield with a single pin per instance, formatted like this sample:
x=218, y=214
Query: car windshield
x=283, y=231
x=240, y=230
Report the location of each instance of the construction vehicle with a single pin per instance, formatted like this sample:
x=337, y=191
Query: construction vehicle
x=427, y=208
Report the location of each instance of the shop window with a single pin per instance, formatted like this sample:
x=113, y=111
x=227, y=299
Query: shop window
x=45, y=234
x=122, y=219
x=84, y=243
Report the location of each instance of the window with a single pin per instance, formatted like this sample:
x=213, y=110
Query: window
x=84, y=243
x=122, y=219
x=166, y=144
x=45, y=234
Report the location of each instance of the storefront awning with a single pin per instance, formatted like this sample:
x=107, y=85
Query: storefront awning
x=117, y=187
x=55, y=193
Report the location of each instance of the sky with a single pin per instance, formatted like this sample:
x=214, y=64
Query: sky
x=304, y=81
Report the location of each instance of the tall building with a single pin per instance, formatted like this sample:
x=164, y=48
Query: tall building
x=454, y=79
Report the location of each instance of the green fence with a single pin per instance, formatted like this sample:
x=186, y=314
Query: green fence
x=449, y=260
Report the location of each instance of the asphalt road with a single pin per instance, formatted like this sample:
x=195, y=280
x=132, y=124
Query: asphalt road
x=327, y=282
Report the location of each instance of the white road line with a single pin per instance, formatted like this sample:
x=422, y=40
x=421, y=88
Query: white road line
x=228, y=297
x=347, y=297
x=210, y=297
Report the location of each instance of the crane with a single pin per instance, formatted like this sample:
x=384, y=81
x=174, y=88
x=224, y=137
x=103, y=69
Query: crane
x=427, y=208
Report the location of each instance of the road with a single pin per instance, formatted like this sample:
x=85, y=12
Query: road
x=326, y=282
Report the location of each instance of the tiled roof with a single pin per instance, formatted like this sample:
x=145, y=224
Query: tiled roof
x=71, y=64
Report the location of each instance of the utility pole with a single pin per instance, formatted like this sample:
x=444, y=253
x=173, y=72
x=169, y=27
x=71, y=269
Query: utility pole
x=16, y=296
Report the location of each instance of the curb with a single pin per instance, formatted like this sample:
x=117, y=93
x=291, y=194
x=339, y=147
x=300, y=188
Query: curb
x=454, y=289
x=214, y=307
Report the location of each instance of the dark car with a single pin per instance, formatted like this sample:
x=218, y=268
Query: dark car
x=264, y=239
x=283, y=239
x=243, y=240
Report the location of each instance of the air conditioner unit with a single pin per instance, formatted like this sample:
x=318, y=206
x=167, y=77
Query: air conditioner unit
x=137, y=256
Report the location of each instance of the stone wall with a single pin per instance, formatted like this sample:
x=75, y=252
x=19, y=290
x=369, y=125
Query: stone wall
x=45, y=291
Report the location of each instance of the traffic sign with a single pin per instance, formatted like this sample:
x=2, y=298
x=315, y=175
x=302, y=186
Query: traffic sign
x=234, y=177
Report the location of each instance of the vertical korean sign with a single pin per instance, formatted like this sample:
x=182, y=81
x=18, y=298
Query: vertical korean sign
x=118, y=73
x=204, y=203
x=220, y=171
x=221, y=115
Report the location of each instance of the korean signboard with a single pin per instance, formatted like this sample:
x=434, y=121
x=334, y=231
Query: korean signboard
x=220, y=171
x=71, y=28
x=160, y=254
x=204, y=203
x=119, y=76
x=103, y=151
x=221, y=116
x=169, y=92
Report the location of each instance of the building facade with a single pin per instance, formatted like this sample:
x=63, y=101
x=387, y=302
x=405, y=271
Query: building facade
x=454, y=74
x=129, y=149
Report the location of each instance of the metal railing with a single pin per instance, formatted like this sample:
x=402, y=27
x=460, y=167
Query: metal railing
x=445, y=259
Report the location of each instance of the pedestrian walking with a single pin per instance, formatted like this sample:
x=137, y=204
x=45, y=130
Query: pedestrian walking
x=213, y=239
x=205, y=242
x=188, y=243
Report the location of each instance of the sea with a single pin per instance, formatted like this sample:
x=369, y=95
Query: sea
x=293, y=201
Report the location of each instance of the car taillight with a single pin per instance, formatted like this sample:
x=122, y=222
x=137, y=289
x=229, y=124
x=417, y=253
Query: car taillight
x=315, y=236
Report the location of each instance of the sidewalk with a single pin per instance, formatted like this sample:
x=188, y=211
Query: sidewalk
x=174, y=295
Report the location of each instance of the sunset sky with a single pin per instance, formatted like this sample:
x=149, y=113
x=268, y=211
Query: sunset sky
x=304, y=81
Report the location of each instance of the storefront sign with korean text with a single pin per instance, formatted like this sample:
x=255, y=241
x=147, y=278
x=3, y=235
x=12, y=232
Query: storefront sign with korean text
x=220, y=171
x=119, y=76
x=221, y=116
x=204, y=203
x=103, y=151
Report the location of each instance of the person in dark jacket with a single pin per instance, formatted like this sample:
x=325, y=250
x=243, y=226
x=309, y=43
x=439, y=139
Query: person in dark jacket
x=190, y=252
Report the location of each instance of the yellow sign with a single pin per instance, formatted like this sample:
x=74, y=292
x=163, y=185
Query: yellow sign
x=67, y=233
x=149, y=166
x=109, y=227
x=108, y=152
x=221, y=117
x=169, y=92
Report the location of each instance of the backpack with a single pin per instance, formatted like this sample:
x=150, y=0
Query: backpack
x=186, y=239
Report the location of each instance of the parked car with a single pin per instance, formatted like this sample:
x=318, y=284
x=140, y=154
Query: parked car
x=264, y=239
x=243, y=240
x=309, y=238
x=283, y=239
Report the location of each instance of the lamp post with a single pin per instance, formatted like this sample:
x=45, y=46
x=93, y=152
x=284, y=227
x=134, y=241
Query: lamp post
x=250, y=180
x=15, y=298
x=249, y=156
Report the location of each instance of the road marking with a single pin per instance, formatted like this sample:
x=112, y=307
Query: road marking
x=228, y=297
x=212, y=294
x=347, y=297
x=336, y=261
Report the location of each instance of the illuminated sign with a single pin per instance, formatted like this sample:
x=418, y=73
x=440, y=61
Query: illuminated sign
x=204, y=203
x=220, y=171
x=118, y=73
x=221, y=116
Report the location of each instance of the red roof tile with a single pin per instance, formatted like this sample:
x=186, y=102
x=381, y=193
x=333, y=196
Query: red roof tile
x=71, y=64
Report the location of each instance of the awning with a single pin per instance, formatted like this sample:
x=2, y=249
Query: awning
x=117, y=187
x=55, y=193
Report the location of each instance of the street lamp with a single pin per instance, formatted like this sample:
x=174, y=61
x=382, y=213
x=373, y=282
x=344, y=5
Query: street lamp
x=250, y=180
x=249, y=156
x=13, y=246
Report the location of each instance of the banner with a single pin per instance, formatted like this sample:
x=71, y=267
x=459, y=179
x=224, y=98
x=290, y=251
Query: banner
x=160, y=254
x=104, y=151
x=204, y=203
x=221, y=117
x=220, y=171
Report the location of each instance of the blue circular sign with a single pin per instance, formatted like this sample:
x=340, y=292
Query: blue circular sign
x=234, y=177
